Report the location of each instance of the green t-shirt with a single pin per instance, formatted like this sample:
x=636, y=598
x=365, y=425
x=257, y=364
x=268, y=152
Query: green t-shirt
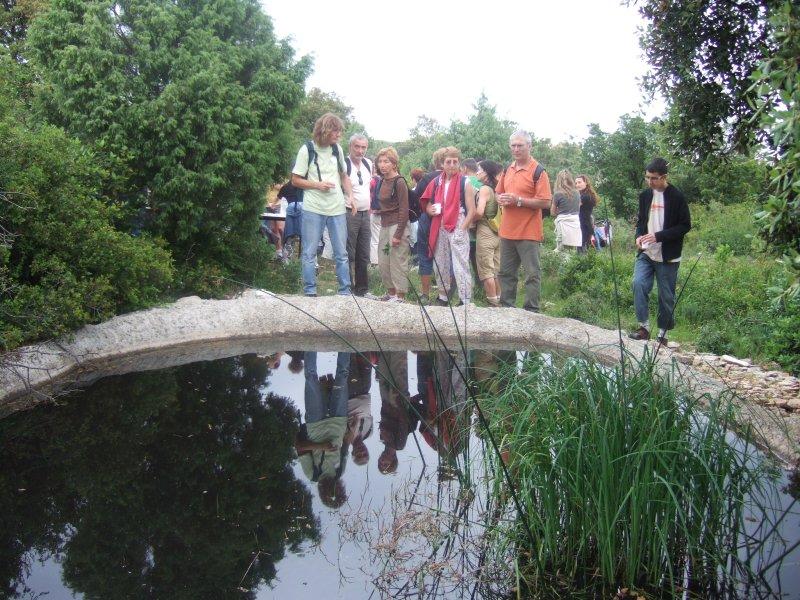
x=330, y=203
x=318, y=463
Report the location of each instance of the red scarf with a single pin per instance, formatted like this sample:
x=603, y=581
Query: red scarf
x=450, y=207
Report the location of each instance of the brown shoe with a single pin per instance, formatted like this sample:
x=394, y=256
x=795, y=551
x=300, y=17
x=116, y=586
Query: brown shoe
x=661, y=340
x=639, y=334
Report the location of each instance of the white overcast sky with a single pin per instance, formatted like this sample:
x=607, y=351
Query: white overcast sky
x=552, y=66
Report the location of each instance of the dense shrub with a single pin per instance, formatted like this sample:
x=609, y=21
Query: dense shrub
x=717, y=225
x=62, y=262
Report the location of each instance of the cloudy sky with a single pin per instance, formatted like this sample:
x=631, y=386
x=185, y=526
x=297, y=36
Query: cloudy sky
x=553, y=67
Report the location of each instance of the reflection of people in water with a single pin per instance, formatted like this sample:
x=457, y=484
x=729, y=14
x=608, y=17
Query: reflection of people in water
x=445, y=422
x=359, y=410
x=398, y=418
x=296, y=364
x=320, y=442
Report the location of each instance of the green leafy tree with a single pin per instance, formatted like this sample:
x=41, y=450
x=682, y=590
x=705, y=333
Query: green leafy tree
x=618, y=160
x=62, y=262
x=190, y=104
x=702, y=57
x=483, y=135
x=779, y=74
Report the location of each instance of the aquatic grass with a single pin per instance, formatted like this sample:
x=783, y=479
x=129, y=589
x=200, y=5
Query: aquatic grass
x=624, y=482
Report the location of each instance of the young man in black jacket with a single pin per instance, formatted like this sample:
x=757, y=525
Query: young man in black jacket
x=662, y=222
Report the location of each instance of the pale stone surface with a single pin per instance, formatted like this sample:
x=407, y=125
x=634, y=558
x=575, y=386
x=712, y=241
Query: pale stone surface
x=193, y=329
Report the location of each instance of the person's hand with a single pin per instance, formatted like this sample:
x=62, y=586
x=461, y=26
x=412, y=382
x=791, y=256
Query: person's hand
x=646, y=239
x=506, y=199
x=395, y=242
x=354, y=208
x=325, y=186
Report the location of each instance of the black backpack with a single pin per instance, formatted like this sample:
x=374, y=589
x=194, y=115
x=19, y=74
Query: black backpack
x=364, y=162
x=413, y=201
x=312, y=157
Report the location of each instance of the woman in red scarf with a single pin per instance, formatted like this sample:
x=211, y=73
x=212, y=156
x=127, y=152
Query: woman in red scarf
x=449, y=200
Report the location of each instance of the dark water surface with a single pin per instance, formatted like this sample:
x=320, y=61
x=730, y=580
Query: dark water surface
x=186, y=483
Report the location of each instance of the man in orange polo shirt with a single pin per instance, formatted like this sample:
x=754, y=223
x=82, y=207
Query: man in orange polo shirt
x=523, y=191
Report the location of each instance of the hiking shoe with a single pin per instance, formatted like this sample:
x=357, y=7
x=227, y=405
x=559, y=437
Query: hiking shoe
x=661, y=340
x=371, y=296
x=639, y=334
x=394, y=300
x=440, y=302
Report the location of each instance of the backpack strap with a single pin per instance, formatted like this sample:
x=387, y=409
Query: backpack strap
x=335, y=152
x=537, y=173
x=312, y=157
x=366, y=164
x=349, y=165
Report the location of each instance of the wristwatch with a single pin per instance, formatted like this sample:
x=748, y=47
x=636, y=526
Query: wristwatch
x=519, y=202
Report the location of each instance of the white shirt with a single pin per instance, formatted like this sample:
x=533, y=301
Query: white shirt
x=360, y=190
x=655, y=223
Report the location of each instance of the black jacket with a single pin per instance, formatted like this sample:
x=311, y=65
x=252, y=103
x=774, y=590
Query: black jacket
x=677, y=221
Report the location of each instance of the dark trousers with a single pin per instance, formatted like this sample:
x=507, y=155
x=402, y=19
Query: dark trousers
x=514, y=253
x=358, y=238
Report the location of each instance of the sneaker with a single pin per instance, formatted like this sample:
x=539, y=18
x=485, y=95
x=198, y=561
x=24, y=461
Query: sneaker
x=639, y=334
x=394, y=300
x=371, y=296
x=661, y=340
x=440, y=302
x=310, y=295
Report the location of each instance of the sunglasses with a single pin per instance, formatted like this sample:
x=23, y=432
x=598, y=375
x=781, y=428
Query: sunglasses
x=360, y=179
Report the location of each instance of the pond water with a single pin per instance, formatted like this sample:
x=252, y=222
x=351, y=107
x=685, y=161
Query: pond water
x=298, y=475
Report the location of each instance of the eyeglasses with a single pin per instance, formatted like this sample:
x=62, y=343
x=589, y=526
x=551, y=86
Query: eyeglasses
x=360, y=180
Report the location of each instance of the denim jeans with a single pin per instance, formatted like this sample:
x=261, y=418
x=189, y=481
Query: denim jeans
x=423, y=233
x=666, y=274
x=313, y=226
x=324, y=404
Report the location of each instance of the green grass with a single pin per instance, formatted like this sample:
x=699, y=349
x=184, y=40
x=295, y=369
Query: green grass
x=624, y=481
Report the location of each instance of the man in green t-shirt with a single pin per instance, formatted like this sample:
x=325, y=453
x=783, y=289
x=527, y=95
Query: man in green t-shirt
x=323, y=178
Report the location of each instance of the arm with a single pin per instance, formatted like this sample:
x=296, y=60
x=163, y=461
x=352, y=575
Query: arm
x=553, y=207
x=469, y=203
x=402, y=211
x=347, y=188
x=483, y=198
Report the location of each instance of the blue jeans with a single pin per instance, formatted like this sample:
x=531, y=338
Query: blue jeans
x=666, y=274
x=326, y=403
x=312, y=227
x=423, y=233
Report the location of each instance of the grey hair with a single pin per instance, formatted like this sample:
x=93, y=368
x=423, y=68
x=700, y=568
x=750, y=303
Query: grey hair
x=521, y=133
x=358, y=136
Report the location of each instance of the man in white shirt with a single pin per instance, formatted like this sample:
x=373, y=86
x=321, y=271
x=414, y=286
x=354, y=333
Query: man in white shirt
x=662, y=223
x=359, y=169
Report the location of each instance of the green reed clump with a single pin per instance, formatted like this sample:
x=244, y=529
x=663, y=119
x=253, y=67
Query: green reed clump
x=624, y=481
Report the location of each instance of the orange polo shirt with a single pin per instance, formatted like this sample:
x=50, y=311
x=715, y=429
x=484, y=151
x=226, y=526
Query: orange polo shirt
x=521, y=223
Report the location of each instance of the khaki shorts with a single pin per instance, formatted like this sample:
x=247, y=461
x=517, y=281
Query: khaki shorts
x=487, y=251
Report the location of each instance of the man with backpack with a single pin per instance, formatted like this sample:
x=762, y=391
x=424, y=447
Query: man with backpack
x=523, y=191
x=359, y=170
x=320, y=171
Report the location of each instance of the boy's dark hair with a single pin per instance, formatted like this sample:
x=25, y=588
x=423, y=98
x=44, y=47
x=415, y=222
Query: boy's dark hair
x=657, y=165
x=470, y=165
